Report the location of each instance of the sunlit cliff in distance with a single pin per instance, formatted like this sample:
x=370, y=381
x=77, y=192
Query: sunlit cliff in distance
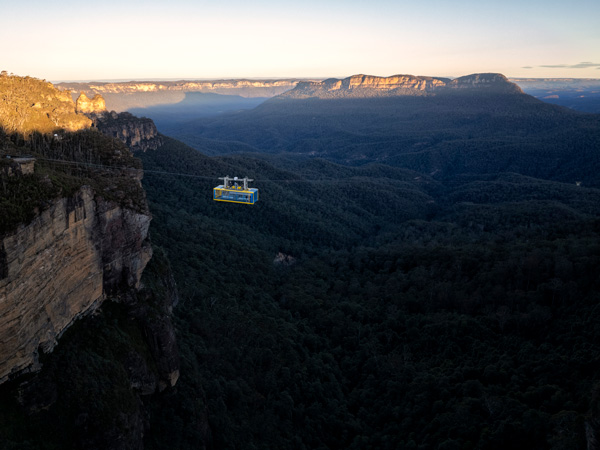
x=127, y=95
x=240, y=87
x=362, y=86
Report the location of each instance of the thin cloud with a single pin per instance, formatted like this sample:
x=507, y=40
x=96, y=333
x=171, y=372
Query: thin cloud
x=581, y=65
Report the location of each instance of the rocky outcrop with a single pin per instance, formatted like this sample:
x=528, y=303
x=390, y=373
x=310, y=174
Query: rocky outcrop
x=284, y=260
x=363, y=86
x=61, y=266
x=84, y=105
x=30, y=105
x=139, y=134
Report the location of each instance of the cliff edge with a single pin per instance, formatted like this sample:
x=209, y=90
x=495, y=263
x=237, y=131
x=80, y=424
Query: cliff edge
x=86, y=338
x=73, y=222
x=362, y=86
x=62, y=265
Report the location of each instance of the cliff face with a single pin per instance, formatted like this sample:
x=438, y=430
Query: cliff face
x=389, y=83
x=139, y=134
x=358, y=86
x=73, y=235
x=61, y=266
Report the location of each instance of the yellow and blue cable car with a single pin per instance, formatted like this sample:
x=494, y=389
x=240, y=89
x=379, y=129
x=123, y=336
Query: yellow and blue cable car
x=232, y=190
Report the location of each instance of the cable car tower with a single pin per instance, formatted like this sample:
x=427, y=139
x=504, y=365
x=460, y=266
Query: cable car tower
x=235, y=190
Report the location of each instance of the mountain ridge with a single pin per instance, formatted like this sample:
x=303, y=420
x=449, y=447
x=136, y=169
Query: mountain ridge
x=365, y=86
x=183, y=85
x=480, y=123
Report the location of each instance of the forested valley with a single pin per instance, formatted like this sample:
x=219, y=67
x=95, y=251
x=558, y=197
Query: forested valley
x=377, y=307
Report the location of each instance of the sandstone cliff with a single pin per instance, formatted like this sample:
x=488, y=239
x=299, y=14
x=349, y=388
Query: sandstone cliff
x=486, y=82
x=362, y=86
x=73, y=235
x=104, y=378
x=96, y=105
x=60, y=267
x=139, y=134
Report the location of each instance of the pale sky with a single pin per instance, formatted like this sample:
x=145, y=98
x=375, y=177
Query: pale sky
x=149, y=39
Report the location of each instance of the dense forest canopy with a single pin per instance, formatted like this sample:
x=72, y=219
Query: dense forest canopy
x=408, y=312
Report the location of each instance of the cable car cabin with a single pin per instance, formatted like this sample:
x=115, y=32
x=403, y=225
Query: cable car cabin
x=234, y=192
x=235, y=195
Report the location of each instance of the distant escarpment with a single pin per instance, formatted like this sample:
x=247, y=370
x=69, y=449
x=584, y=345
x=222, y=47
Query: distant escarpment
x=244, y=88
x=362, y=86
x=479, y=123
x=129, y=95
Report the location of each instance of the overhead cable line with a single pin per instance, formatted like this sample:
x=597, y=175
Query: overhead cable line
x=204, y=177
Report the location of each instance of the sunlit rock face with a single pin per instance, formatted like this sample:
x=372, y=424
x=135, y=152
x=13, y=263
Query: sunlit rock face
x=94, y=106
x=31, y=105
x=364, y=86
x=394, y=82
x=190, y=86
x=61, y=266
x=367, y=86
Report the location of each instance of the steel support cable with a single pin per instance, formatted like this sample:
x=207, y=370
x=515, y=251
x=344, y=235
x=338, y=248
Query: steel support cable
x=162, y=172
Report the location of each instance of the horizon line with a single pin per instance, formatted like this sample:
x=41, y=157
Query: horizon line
x=320, y=78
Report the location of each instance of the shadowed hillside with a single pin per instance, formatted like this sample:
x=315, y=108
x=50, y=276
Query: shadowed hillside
x=463, y=127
